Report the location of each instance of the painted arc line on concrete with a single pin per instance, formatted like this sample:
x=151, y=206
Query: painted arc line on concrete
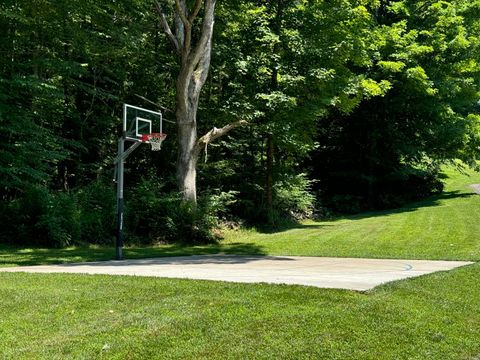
x=323, y=272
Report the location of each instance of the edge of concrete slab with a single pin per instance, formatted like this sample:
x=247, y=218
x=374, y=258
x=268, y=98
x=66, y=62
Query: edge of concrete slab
x=322, y=272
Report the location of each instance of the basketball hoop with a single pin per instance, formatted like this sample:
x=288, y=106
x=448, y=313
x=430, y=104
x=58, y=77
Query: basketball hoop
x=155, y=140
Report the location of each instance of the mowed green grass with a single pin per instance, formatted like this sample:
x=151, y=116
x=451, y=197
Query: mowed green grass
x=66, y=316
x=446, y=226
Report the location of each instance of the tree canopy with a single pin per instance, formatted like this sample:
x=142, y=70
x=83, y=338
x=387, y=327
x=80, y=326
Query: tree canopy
x=351, y=105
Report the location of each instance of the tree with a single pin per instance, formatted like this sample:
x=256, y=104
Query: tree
x=282, y=65
x=392, y=145
x=194, y=57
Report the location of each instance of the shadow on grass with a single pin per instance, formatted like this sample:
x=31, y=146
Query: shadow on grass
x=183, y=250
x=15, y=256
x=429, y=202
x=285, y=226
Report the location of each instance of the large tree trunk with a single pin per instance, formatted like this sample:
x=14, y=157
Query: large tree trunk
x=194, y=68
x=189, y=85
x=187, y=156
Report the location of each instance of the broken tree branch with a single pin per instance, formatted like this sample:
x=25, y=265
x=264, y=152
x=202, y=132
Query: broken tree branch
x=215, y=133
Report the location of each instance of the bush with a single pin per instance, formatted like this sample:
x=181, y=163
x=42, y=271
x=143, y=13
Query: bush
x=293, y=197
x=348, y=204
x=58, y=219
x=88, y=215
x=190, y=224
x=293, y=200
x=42, y=218
x=155, y=216
x=97, y=208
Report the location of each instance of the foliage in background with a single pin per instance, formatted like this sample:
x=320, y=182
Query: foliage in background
x=365, y=97
x=387, y=150
x=58, y=218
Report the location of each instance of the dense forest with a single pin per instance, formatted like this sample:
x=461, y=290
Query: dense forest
x=344, y=106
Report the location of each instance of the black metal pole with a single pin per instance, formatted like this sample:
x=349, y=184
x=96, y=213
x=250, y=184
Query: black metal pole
x=120, y=171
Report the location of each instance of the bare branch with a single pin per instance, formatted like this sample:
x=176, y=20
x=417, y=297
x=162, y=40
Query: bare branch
x=196, y=62
x=206, y=34
x=182, y=12
x=184, y=27
x=163, y=108
x=196, y=9
x=201, y=72
x=216, y=133
x=166, y=28
x=179, y=30
x=187, y=43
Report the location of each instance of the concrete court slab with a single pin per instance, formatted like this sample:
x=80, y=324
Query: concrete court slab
x=323, y=272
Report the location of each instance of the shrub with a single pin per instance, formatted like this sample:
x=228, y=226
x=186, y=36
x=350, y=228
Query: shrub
x=60, y=221
x=190, y=224
x=97, y=208
x=57, y=219
x=348, y=204
x=293, y=197
x=155, y=216
x=43, y=218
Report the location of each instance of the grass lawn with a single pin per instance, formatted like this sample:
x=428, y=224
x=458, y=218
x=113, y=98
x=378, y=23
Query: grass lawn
x=442, y=227
x=87, y=317
x=64, y=316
